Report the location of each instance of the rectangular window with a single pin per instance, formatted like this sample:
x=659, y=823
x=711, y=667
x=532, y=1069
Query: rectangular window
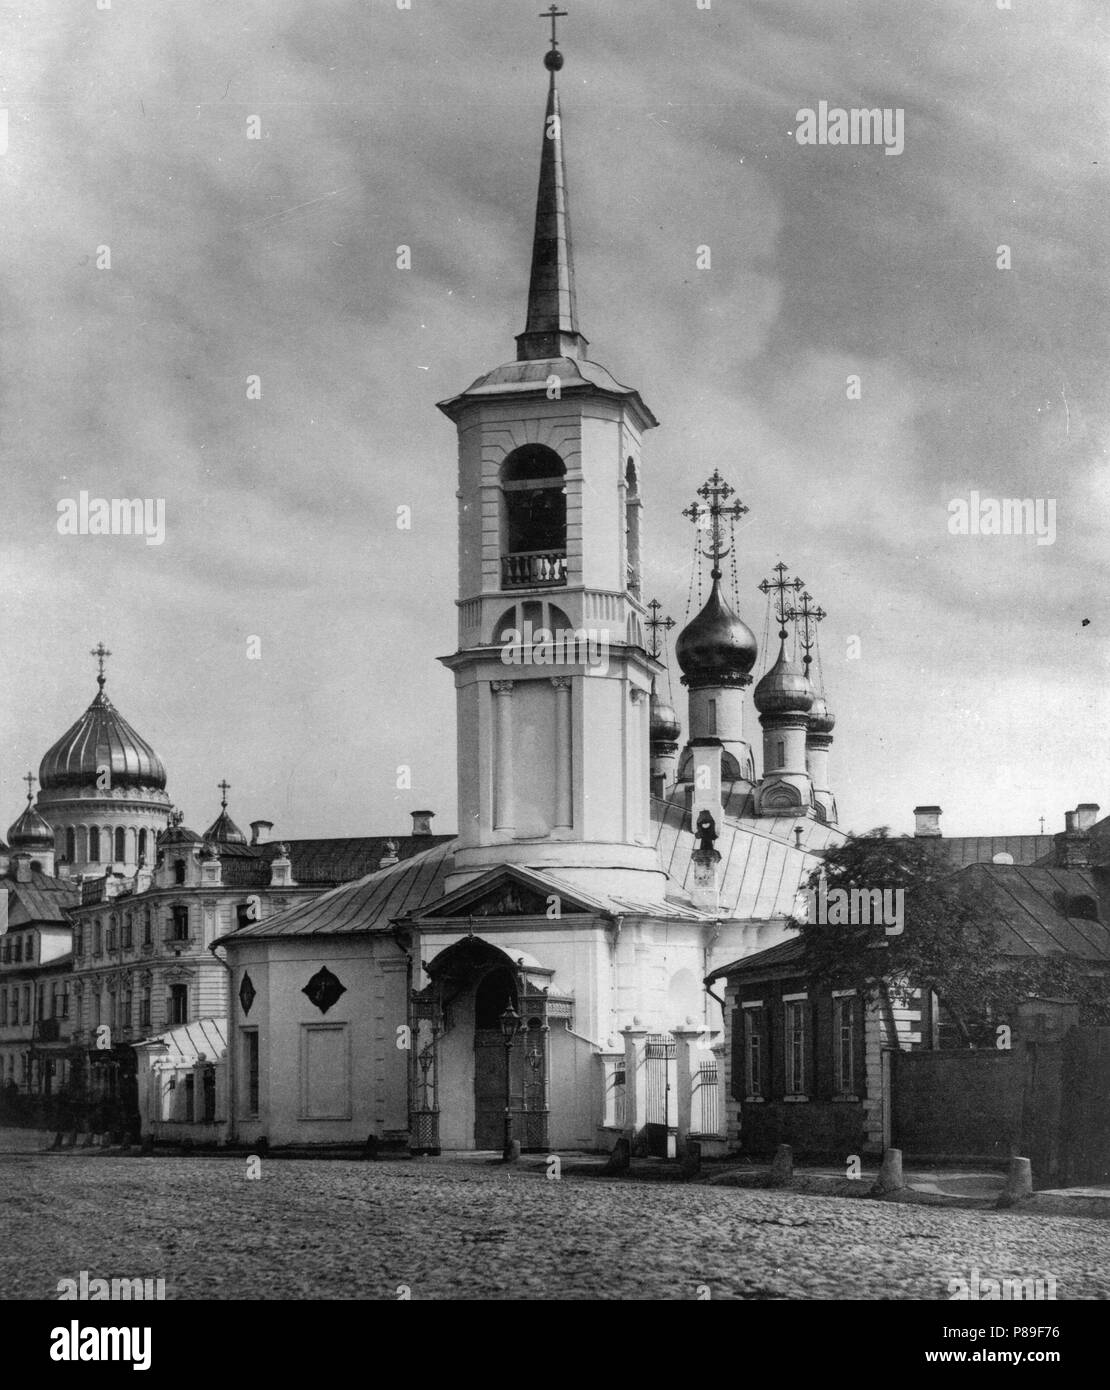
x=178, y=1004
x=794, y=1018
x=179, y=926
x=79, y=942
x=96, y=1008
x=65, y=1000
x=147, y=928
x=26, y=1003
x=753, y=1052
x=125, y=1008
x=19, y=948
x=711, y=719
x=128, y=933
x=98, y=939
x=144, y=1009
x=3, y=1008
x=248, y=1081
x=844, y=1045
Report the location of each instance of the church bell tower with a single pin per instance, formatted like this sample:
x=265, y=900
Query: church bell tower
x=552, y=675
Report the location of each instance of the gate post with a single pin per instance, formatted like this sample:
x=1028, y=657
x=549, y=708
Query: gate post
x=635, y=1079
x=723, y=1096
x=687, y=1058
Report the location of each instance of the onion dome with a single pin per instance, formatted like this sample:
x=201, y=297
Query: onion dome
x=821, y=718
x=716, y=647
x=664, y=721
x=101, y=738
x=784, y=689
x=30, y=831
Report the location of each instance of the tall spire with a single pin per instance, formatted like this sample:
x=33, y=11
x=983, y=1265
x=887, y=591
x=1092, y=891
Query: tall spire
x=552, y=326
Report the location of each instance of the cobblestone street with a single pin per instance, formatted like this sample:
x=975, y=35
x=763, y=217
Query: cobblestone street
x=469, y=1229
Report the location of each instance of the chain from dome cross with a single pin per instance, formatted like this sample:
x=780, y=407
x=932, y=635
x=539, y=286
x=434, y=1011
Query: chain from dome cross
x=785, y=612
x=713, y=515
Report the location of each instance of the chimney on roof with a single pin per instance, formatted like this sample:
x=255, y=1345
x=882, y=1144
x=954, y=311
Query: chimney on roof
x=926, y=822
x=422, y=822
x=1073, y=845
x=260, y=828
x=1086, y=814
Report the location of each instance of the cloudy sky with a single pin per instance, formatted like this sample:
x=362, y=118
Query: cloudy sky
x=981, y=678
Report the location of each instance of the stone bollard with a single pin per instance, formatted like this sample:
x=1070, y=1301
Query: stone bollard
x=620, y=1160
x=782, y=1166
x=512, y=1153
x=890, y=1174
x=1019, y=1183
x=691, y=1159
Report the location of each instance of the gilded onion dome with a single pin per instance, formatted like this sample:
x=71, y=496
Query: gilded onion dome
x=784, y=688
x=30, y=831
x=821, y=718
x=664, y=721
x=716, y=647
x=101, y=738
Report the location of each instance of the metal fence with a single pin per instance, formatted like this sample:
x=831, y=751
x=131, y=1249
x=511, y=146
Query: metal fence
x=705, y=1112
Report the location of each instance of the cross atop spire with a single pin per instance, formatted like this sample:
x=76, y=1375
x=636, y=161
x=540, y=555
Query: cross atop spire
x=100, y=651
x=656, y=625
x=712, y=517
x=30, y=784
x=225, y=787
x=784, y=608
x=551, y=329
x=554, y=13
x=807, y=618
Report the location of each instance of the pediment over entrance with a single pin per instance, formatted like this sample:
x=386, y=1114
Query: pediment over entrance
x=511, y=892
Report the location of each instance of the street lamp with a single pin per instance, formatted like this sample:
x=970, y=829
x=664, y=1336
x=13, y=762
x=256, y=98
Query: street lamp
x=510, y=1025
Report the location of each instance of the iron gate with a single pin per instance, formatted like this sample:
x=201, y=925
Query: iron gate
x=659, y=1081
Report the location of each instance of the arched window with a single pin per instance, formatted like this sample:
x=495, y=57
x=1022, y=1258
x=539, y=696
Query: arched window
x=142, y=844
x=534, y=531
x=94, y=844
x=71, y=845
x=632, y=506
x=121, y=844
x=179, y=871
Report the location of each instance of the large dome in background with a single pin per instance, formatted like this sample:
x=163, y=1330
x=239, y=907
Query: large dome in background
x=716, y=647
x=101, y=737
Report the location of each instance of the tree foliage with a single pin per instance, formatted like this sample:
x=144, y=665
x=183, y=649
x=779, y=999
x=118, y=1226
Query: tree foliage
x=951, y=942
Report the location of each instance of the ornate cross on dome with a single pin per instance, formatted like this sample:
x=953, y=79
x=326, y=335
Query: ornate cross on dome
x=712, y=516
x=784, y=609
x=225, y=787
x=808, y=618
x=554, y=14
x=100, y=651
x=656, y=625
x=30, y=783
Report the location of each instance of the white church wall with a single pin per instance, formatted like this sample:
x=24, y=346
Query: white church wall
x=324, y=1078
